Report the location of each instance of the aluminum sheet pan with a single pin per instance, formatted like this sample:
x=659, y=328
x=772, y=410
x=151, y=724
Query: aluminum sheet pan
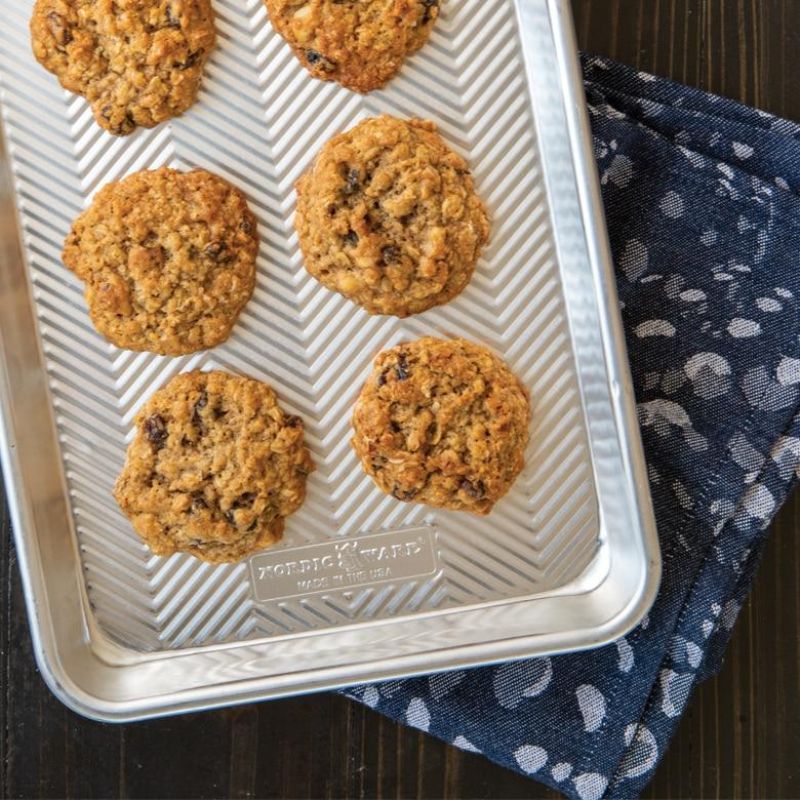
x=363, y=587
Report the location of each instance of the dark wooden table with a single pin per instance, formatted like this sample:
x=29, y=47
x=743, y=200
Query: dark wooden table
x=741, y=734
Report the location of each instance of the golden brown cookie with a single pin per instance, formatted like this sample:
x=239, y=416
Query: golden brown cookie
x=359, y=43
x=137, y=62
x=215, y=468
x=168, y=259
x=443, y=422
x=388, y=216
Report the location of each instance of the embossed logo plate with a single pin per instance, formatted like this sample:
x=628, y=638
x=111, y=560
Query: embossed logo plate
x=344, y=564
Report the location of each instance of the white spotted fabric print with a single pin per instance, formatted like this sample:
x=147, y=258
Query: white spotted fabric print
x=702, y=199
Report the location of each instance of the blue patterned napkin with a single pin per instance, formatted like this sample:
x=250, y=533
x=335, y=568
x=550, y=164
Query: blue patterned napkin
x=702, y=201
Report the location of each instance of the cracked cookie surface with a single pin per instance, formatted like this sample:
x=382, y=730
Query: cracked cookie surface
x=168, y=259
x=443, y=422
x=362, y=44
x=137, y=62
x=388, y=216
x=214, y=469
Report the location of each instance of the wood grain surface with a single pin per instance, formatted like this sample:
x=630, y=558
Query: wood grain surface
x=741, y=735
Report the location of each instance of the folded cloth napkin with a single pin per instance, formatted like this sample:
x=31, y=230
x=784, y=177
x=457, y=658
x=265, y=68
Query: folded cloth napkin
x=701, y=196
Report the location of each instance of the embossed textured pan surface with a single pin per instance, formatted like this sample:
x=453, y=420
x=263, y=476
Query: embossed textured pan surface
x=356, y=566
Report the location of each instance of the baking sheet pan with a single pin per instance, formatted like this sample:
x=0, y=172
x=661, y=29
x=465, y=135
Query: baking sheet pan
x=567, y=560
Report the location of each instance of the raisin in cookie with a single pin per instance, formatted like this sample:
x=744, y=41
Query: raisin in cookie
x=215, y=468
x=442, y=422
x=388, y=216
x=137, y=62
x=168, y=259
x=359, y=43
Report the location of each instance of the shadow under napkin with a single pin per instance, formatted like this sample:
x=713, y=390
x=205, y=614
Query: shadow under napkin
x=701, y=196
